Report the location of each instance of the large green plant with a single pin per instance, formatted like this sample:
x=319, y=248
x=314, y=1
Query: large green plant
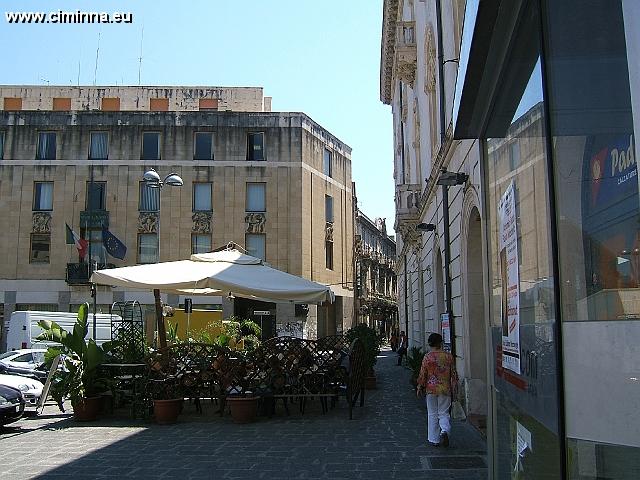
x=79, y=376
x=371, y=341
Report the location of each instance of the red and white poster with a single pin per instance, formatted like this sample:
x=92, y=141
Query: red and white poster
x=510, y=280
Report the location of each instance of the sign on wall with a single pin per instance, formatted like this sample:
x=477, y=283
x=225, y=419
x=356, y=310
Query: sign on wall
x=446, y=328
x=510, y=280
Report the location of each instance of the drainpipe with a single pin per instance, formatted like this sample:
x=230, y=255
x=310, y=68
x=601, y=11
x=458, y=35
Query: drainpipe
x=406, y=306
x=440, y=70
x=447, y=268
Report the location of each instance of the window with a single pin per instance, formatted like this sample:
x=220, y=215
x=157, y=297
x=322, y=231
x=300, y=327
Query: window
x=514, y=155
x=202, y=197
x=96, y=196
x=328, y=208
x=256, y=197
x=147, y=248
x=1, y=145
x=111, y=104
x=255, y=244
x=328, y=254
x=24, y=358
x=203, y=146
x=61, y=104
x=208, y=104
x=150, y=145
x=159, y=104
x=327, y=167
x=200, y=243
x=40, y=247
x=96, y=246
x=255, y=148
x=46, y=146
x=98, y=146
x=43, y=196
x=149, y=198
x=11, y=103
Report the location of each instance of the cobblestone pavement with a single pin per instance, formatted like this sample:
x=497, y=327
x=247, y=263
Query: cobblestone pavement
x=385, y=440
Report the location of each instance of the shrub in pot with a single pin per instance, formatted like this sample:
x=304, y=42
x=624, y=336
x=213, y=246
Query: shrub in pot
x=78, y=378
x=372, y=342
x=243, y=408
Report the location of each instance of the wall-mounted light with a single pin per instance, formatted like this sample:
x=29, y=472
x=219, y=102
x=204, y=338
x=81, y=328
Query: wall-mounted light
x=426, y=227
x=450, y=179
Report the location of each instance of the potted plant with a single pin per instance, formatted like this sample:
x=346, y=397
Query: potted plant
x=167, y=401
x=372, y=343
x=243, y=407
x=79, y=378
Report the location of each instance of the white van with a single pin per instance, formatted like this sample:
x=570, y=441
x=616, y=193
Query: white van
x=24, y=329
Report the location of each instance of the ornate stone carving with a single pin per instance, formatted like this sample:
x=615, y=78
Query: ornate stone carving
x=41, y=222
x=328, y=232
x=148, y=222
x=429, y=62
x=201, y=222
x=255, y=222
x=358, y=245
x=407, y=73
x=409, y=234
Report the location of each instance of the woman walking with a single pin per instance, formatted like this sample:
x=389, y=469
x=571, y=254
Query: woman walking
x=438, y=378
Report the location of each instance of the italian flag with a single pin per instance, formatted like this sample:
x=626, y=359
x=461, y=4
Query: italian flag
x=74, y=239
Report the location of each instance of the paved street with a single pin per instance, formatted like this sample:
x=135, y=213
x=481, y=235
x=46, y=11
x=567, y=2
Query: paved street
x=385, y=440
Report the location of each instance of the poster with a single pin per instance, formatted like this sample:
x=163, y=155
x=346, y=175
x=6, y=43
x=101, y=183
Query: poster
x=510, y=280
x=446, y=328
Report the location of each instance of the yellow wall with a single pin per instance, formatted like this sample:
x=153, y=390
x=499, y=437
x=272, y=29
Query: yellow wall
x=198, y=321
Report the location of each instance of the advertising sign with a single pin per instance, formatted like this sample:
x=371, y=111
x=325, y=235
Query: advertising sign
x=446, y=328
x=510, y=280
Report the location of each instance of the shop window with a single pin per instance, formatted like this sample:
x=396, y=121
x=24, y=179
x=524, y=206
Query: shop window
x=200, y=243
x=256, y=197
x=255, y=244
x=98, y=146
x=255, y=146
x=150, y=145
x=202, y=197
x=42, y=196
x=46, y=146
x=203, y=146
x=149, y=198
x=40, y=248
x=147, y=248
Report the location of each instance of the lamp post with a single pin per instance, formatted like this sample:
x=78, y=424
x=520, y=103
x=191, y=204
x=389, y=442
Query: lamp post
x=152, y=180
x=446, y=180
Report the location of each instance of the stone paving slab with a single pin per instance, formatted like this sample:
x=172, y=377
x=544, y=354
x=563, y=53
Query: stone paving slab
x=385, y=440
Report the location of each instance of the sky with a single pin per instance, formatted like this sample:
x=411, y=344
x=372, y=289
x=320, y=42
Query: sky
x=317, y=57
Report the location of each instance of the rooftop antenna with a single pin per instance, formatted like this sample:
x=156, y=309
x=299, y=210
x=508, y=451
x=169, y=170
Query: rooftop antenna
x=95, y=71
x=140, y=57
x=78, y=72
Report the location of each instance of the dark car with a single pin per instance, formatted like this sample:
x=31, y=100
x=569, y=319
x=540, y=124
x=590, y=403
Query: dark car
x=11, y=405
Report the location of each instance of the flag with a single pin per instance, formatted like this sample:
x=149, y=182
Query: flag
x=74, y=239
x=114, y=247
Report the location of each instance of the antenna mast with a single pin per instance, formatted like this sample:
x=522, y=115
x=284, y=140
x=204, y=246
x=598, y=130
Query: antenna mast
x=95, y=71
x=140, y=57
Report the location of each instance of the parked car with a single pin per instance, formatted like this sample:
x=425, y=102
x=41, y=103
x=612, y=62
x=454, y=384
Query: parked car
x=11, y=405
x=27, y=362
x=31, y=389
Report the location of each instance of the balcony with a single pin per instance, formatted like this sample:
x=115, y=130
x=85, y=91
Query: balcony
x=94, y=219
x=407, y=202
x=406, y=52
x=78, y=273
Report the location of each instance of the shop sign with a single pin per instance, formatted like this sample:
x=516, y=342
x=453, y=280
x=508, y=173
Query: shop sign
x=510, y=280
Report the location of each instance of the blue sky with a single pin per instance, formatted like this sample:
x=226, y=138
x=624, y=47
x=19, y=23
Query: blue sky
x=318, y=57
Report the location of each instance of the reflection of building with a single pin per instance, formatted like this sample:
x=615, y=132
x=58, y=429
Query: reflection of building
x=376, y=288
x=551, y=90
x=276, y=183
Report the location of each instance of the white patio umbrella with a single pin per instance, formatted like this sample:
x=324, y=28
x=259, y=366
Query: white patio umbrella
x=226, y=272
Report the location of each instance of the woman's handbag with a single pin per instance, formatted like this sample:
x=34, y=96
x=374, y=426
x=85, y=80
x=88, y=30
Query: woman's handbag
x=457, y=412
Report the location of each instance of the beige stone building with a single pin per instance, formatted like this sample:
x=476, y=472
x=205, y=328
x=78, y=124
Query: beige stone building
x=276, y=183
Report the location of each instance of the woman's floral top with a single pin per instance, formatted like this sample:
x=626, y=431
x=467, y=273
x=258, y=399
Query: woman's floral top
x=438, y=373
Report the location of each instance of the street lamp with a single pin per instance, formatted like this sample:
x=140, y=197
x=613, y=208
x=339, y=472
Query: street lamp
x=449, y=179
x=152, y=180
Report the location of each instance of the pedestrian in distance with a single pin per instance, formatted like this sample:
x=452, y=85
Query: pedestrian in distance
x=439, y=380
x=402, y=347
x=394, y=342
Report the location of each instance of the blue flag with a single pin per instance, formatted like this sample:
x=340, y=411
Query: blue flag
x=114, y=247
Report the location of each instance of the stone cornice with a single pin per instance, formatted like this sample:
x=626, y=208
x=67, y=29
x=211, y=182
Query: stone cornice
x=387, y=49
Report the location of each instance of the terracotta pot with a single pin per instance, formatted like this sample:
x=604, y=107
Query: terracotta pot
x=167, y=411
x=370, y=382
x=243, y=409
x=87, y=409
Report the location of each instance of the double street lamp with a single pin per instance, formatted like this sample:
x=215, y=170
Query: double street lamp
x=153, y=180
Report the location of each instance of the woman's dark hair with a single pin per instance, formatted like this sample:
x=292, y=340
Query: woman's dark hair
x=434, y=340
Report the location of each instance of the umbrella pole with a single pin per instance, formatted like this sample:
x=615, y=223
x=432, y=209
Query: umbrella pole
x=162, y=333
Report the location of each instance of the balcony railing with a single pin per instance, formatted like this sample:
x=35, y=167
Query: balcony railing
x=406, y=51
x=407, y=202
x=94, y=218
x=78, y=273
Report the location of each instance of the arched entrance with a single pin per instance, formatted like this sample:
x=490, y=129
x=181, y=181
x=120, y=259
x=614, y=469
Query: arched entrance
x=476, y=341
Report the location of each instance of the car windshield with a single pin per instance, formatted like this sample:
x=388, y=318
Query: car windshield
x=6, y=354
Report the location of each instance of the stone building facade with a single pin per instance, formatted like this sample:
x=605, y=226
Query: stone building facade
x=375, y=277
x=277, y=184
